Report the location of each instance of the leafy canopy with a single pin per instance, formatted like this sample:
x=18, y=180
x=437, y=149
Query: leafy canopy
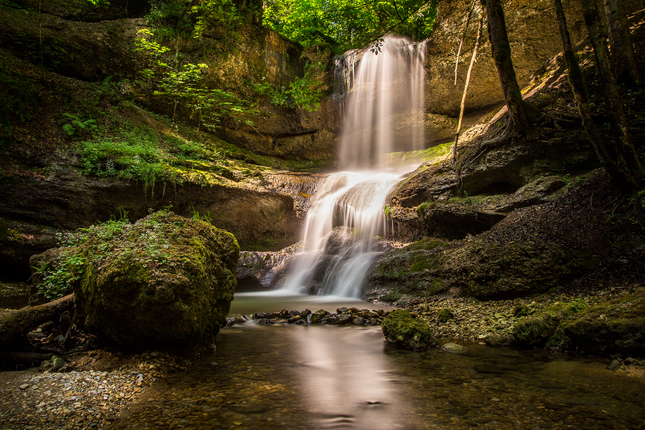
x=349, y=24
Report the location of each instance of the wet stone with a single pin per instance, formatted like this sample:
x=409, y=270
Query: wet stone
x=454, y=348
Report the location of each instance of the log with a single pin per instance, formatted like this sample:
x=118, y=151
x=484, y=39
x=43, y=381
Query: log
x=25, y=358
x=14, y=325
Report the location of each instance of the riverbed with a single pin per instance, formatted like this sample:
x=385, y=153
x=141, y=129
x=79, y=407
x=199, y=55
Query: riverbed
x=324, y=377
x=318, y=377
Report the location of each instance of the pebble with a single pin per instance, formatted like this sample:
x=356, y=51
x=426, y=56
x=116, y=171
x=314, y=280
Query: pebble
x=84, y=399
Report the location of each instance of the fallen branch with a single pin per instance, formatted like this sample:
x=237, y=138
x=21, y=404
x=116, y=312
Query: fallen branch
x=15, y=325
x=473, y=60
x=463, y=37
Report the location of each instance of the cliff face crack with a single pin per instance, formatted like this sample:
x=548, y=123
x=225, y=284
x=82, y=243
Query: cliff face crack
x=295, y=134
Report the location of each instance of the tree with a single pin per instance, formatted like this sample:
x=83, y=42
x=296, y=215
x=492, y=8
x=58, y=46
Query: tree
x=622, y=51
x=624, y=165
x=581, y=96
x=349, y=24
x=502, y=56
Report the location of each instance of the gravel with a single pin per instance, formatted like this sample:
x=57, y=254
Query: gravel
x=74, y=400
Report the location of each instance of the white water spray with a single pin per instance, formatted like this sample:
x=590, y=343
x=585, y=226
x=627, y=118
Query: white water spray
x=383, y=113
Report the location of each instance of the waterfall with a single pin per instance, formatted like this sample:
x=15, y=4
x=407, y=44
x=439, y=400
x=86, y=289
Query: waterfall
x=383, y=113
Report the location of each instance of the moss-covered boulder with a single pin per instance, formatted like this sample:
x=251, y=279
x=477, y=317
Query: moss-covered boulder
x=163, y=281
x=614, y=326
x=404, y=331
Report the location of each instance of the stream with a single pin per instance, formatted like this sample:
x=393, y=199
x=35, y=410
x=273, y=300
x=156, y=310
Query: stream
x=319, y=377
x=285, y=376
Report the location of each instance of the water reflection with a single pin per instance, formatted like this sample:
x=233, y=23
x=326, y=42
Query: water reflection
x=343, y=378
x=316, y=377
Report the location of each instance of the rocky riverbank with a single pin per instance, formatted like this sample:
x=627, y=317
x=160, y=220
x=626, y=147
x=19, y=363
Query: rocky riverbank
x=90, y=390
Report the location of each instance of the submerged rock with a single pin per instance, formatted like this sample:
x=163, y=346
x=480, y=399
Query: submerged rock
x=163, y=281
x=404, y=331
x=454, y=348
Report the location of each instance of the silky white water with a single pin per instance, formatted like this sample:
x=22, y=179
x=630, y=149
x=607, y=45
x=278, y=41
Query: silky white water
x=383, y=112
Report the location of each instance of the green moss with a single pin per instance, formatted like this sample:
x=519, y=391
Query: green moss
x=445, y=315
x=536, y=330
x=163, y=281
x=614, y=326
x=391, y=297
x=404, y=331
x=545, y=327
x=421, y=209
x=431, y=155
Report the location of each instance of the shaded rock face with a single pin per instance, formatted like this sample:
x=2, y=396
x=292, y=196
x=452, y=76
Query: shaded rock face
x=91, y=43
x=67, y=200
x=87, y=51
x=289, y=133
x=532, y=250
x=494, y=176
x=267, y=268
x=164, y=281
x=18, y=242
x=534, y=37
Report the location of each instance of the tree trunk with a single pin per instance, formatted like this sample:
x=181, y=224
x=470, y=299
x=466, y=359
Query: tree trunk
x=579, y=89
x=631, y=174
x=622, y=52
x=502, y=56
x=14, y=325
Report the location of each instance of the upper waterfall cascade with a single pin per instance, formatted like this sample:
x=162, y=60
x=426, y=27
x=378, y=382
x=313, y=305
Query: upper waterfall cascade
x=383, y=112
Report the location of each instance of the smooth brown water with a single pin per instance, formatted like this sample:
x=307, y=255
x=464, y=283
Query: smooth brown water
x=318, y=377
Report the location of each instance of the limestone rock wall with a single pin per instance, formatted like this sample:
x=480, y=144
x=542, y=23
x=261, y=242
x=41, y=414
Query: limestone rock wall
x=534, y=37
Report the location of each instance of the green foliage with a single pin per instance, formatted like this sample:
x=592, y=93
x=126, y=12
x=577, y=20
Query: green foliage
x=197, y=217
x=348, y=24
x=302, y=93
x=78, y=125
x=171, y=19
x=59, y=275
x=168, y=78
x=58, y=279
x=207, y=12
x=387, y=211
x=181, y=18
x=421, y=210
x=131, y=151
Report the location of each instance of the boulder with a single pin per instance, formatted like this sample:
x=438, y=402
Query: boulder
x=403, y=331
x=163, y=281
x=617, y=326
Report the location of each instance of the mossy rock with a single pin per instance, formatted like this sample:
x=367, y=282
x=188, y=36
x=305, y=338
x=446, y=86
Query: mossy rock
x=445, y=315
x=617, y=326
x=404, y=331
x=545, y=327
x=536, y=330
x=163, y=281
